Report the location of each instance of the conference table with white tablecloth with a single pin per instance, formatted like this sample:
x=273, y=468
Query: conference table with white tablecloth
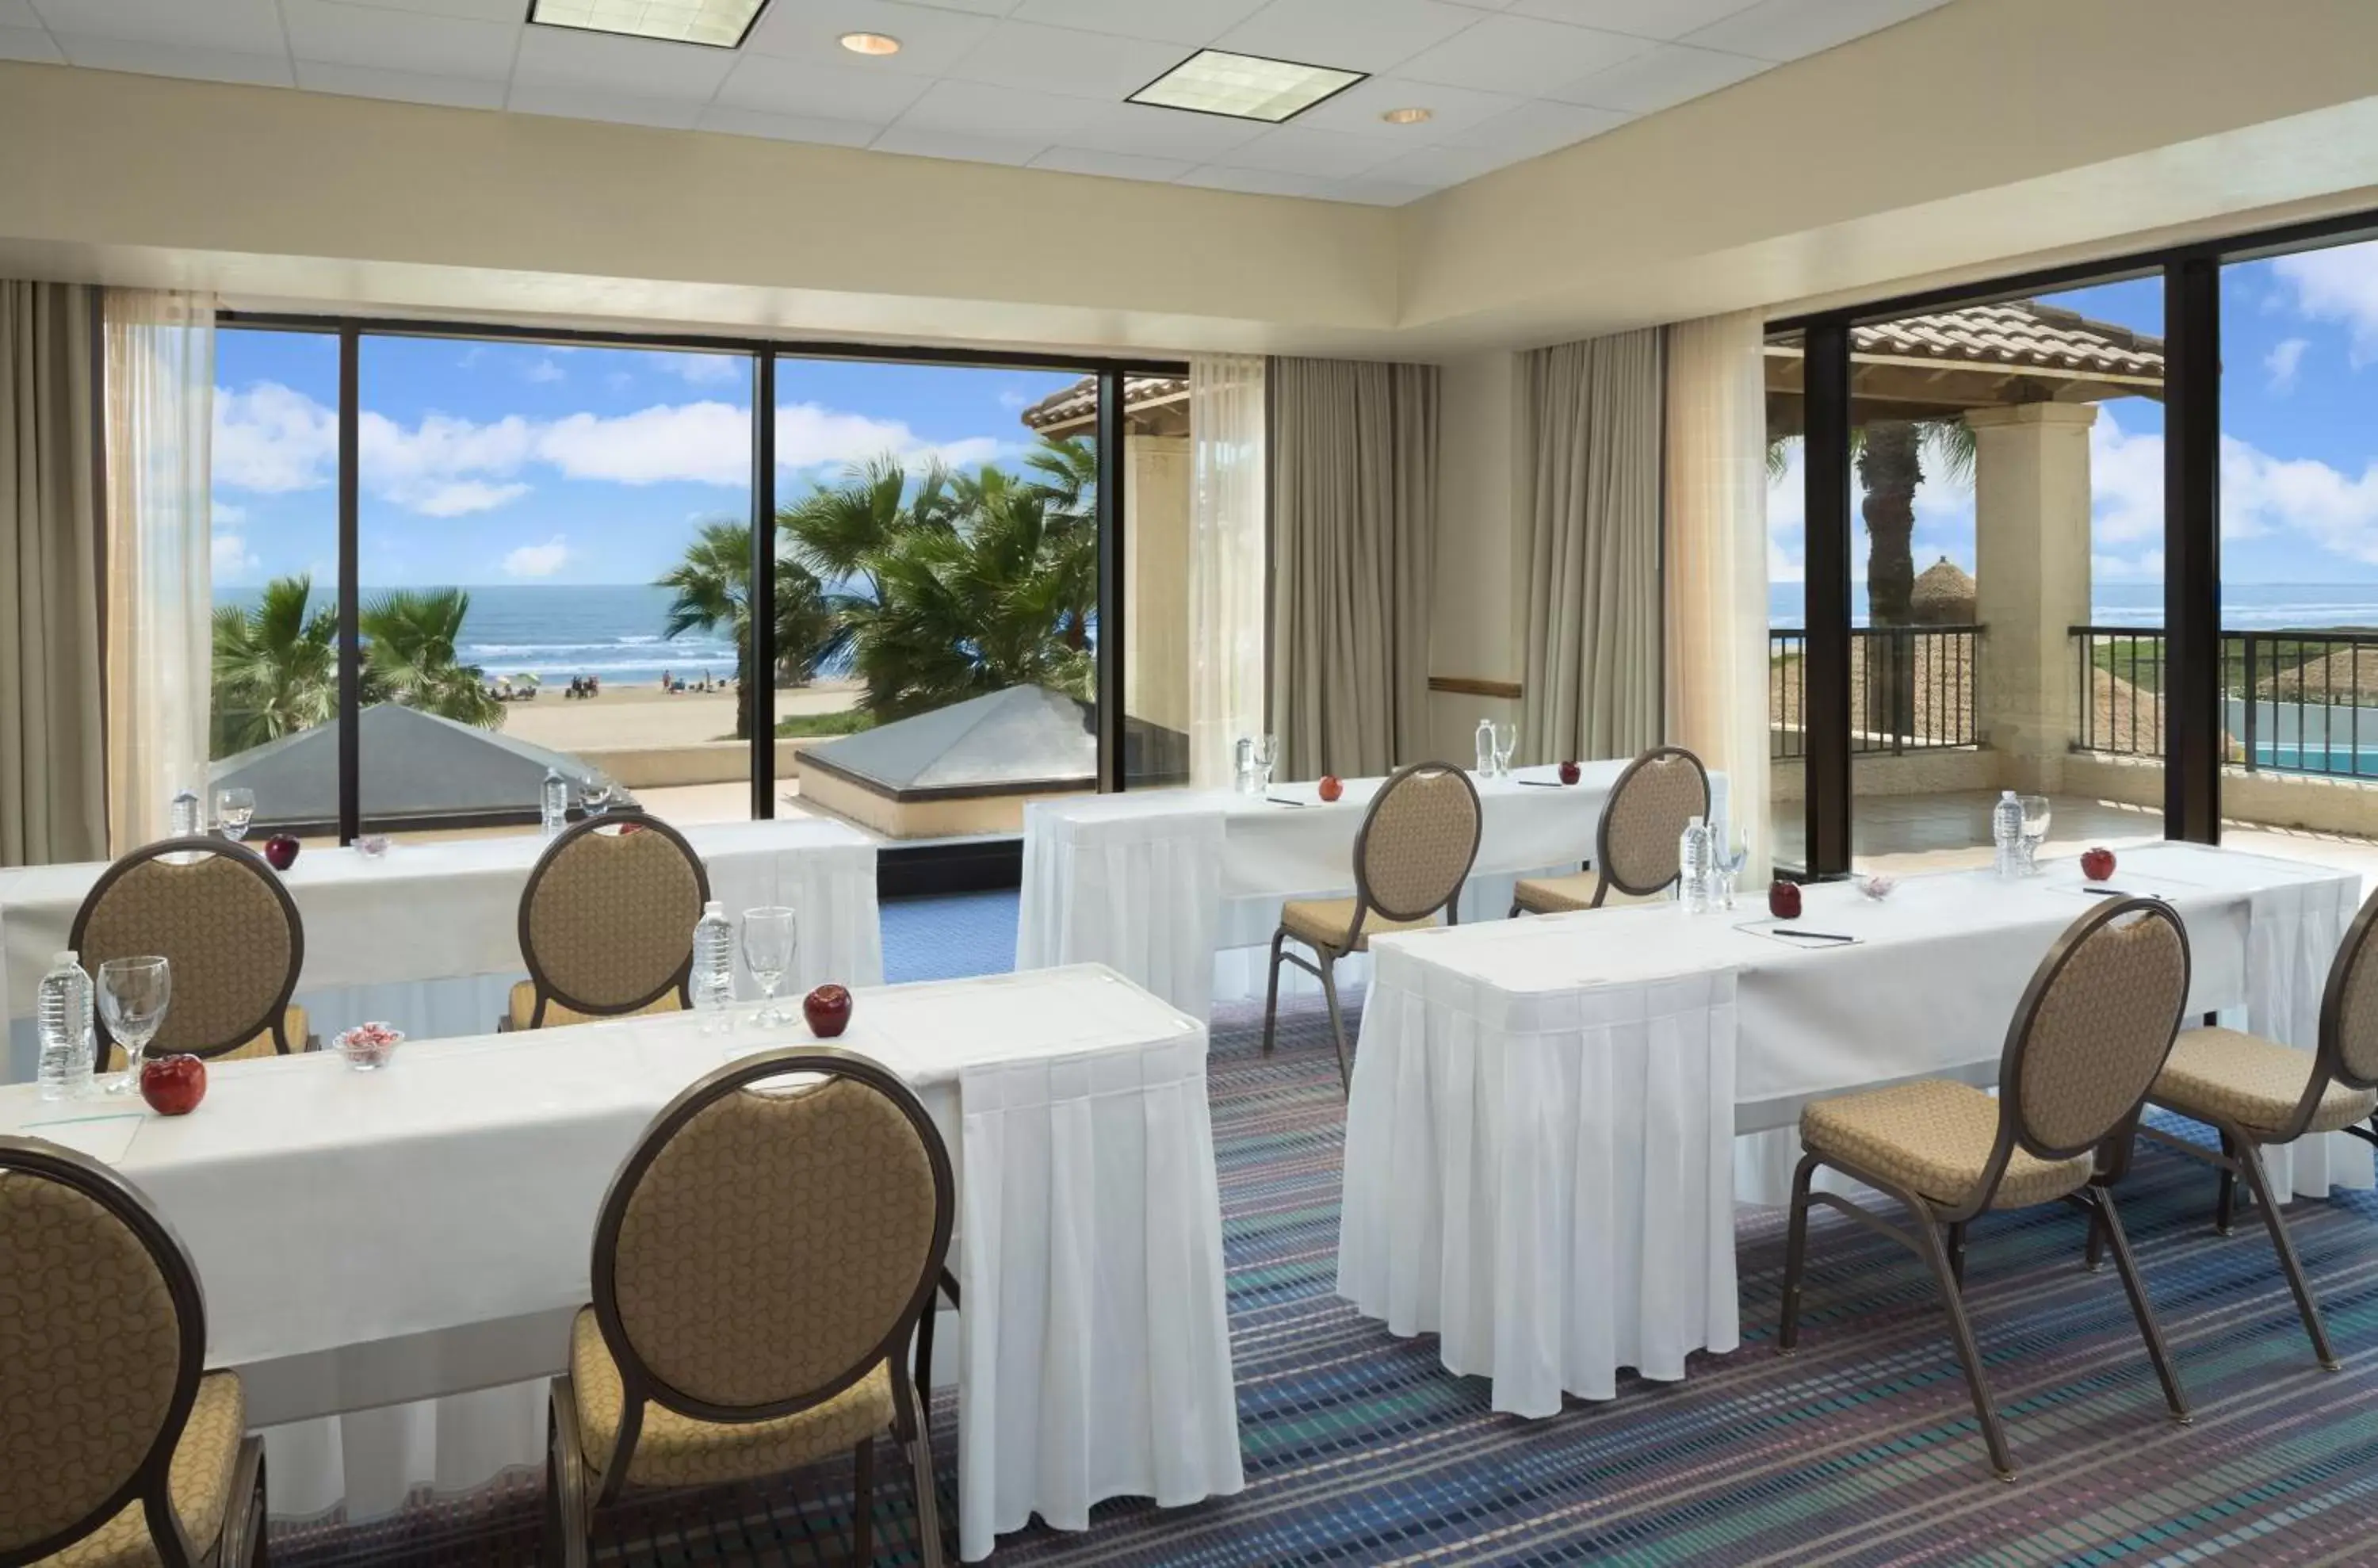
x=1156, y=884
x=425, y=1230
x=427, y=935
x=1541, y=1156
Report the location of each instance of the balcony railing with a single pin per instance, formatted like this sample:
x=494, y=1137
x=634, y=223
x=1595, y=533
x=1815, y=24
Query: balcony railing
x=1912, y=689
x=2292, y=702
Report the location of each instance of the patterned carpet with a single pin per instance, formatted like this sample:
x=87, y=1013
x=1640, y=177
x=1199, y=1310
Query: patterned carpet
x=1862, y=1449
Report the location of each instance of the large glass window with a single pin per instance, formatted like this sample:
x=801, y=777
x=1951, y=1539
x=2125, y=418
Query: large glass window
x=1787, y=622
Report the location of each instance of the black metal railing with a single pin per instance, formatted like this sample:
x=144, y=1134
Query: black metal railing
x=2292, y=702
x=1911, y=688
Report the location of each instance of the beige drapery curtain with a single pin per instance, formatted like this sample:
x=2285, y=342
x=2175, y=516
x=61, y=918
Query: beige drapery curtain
x=1590, y=416
x=1717, y=561
x=1226, y=561
x=160, y=366
x=53, y=758
x=1354, y=509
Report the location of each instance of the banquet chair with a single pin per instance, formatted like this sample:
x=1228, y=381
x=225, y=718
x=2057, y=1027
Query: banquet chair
x=1411, y=855
x=2259, y=1093
x=232, y=934
x=760, y=1265
x=1635, y=844
x=116, y=1446
x=2087, y=1039
x=606, y=922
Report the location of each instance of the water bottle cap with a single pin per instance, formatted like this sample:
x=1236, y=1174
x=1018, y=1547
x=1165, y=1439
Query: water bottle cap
x=713, y=906
x=67, y=957
x=2006, y=794
x=1696, y=822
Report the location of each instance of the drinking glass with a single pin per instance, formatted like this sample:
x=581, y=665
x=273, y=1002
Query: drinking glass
x=600, y=794
x=1733, y=853
x=770, y=936
x=133, y=993
x=2035, y=830
x=235, y=809
x=1263, y=750
x=1506, y=740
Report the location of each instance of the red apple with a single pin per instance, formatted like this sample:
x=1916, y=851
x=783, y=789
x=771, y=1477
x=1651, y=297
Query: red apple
x=173, y=1085
x=828, y=1010
x=281, y=851
x=1570, y=773
x=1784, y=899
x=2098, y=864
x=1330, y=788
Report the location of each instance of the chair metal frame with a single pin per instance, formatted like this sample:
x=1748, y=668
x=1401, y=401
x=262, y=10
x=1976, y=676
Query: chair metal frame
x=1946, y=1258
x=1604, y=881
x=241, y=1544
x=1323, y=965
x=569, y=1510
x=277, y=1018
x=546, y=992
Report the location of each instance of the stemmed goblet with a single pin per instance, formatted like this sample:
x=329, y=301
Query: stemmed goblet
x=770, y=937
x=133, y=995
x=2036, y=816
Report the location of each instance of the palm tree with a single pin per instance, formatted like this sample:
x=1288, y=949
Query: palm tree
x=410, y=638
x=1890, y=454
x=276, y=668
x=714, y=589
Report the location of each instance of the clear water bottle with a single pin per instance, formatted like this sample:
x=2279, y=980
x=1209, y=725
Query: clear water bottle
x=184, y=818
x=2006, y=833
x=1695, y=866
x=553, y=801
x=712, y=981
x=1486, y=748
x=62, y=1014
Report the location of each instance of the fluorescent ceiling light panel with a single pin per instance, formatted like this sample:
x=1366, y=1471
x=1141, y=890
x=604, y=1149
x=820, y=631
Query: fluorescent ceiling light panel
x=1246, y=87
x=720, y=24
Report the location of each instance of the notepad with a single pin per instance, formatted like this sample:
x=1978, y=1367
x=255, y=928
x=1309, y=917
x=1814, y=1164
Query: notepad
x=105, y=1136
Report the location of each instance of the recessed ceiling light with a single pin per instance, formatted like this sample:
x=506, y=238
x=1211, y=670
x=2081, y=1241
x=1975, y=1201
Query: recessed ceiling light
x=1409, y=116
x=1244, y=87
x=870, y=44
x=718, y=24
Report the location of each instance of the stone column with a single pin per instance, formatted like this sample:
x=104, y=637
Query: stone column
x=2031, y=578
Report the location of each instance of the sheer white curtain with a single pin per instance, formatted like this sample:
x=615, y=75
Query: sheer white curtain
x=1716, y=568
x=161, y=374
x=1226, y=560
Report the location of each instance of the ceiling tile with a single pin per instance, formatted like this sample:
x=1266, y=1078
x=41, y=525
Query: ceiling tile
x=1521, y=56
x=513, y=11
x=1440, y=166
x=1299, y=150
x=581, y=101
x=233, y=27
x=1378, y=192
x=1257, y=182
x=642, y=68
x=786, y=128
x=1354, y=35
x=1786, y=30
x=406, y=87
x=932, y=40
x=167, y=60
x=19, y=14
x=1174, y=21
x=1644, y=19
x=1668, y=76
x=362, y=35
x=1540, y=127
x=29, y=44
x=978, y=8
x=1115, y=165
x=1453, y=110
x=1143, y=130
x=969, y=108
x=1053, y=59
x=957, y=145
x=775, y=86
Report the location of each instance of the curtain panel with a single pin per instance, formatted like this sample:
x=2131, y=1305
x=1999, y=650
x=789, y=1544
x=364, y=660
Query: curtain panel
x=1590, y=423
x=53, y=735
x=1353, y=513
x=1226, y=561
x=1717, y=562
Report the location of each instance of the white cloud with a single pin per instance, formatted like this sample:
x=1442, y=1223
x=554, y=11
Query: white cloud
x=2337, y=284
x=2263, y=494
x=542, y=371
x=232, y=557
x=459, y=498
x=538, y=560
x=2125, y=482
x=708, y=369
x=1017, y=398
x=2147, y=567
x=224, y=514
x=1787, y=502
x=271, y=440
x=2279, y=366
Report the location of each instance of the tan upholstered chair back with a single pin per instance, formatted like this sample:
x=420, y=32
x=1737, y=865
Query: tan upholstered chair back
x=223, y=919
x=771, y=1242
x=102, y=1339
x=606, y=919
x=1418, y=841
x=2349, y=1012
x=2095, y=1026
x=1659, y=793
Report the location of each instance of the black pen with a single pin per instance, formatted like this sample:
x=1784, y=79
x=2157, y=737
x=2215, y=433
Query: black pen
x=2105, y=892
x=1275, y=800
x=1814, y=936
x=1543, y=783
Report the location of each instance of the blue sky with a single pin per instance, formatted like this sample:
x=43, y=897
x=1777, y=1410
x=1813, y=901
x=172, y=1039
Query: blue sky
x=488, y=462
x=2299, y=435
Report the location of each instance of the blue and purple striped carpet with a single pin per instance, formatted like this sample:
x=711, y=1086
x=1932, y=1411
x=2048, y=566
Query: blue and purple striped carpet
x=1862, y=1449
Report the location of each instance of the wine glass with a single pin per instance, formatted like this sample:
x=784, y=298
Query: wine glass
x=1733, y=853
x=770, y=937
x=133, y=993
x=1506, y=740
x=600, y=794
x=235, y=809
x=2036, y=816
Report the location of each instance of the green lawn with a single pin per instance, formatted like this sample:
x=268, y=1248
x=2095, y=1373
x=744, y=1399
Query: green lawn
x=851, y=721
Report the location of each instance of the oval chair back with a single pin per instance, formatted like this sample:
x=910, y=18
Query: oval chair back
x=223, y=919
x=1417, y=843
x=108, y=1338
x=1635, y=845
x=606, y=919
x=764, y=1247
x=2091, y=1034
x=2349, y=1014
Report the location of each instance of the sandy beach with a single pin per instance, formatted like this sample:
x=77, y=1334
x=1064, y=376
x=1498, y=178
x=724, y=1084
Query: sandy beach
x=625, y=718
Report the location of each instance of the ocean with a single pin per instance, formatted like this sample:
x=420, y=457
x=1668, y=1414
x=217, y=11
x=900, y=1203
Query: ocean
x=2245, y=607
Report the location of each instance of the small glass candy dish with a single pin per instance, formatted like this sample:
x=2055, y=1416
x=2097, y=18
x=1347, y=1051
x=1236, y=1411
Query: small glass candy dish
x=369, y=1046
x=1876, y=887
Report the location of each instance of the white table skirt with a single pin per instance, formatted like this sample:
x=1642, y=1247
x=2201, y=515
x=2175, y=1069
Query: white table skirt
x=1156, y=884
x=334, y=1212
x=427, y=936
x=1539, y=1150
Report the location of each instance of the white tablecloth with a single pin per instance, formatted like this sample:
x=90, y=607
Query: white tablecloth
x=1540, y=1146
x=1155, y=883
x=328, y=1211
x=427, y=937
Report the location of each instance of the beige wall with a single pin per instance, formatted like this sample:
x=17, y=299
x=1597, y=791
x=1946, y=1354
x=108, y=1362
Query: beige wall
x=1477, y=614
